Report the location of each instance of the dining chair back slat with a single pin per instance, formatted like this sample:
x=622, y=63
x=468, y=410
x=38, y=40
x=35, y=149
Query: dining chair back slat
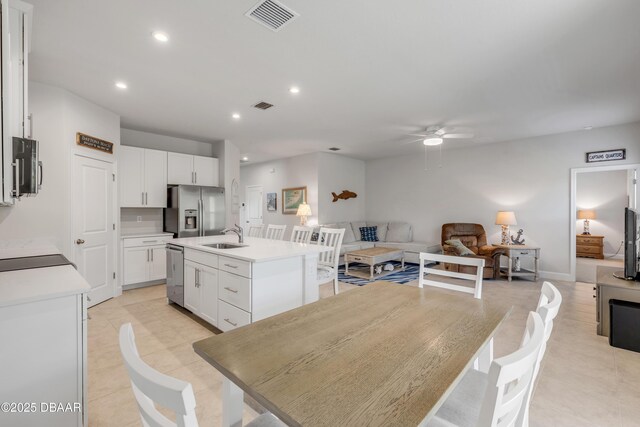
x=427, y=258
x=255, y=230
x=275, y=232
x=301, y=234
x=151, y=387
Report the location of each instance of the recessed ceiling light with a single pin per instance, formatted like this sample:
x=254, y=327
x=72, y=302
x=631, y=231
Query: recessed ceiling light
x=235, y=116
x=121, y=85
x=245, y=159
x=294, y=89
x=160, y=36
x=432, y=140
x=587, y=127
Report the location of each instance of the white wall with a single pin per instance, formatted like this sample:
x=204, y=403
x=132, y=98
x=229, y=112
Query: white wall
x=229, y=156
x=58, y=115
x=273, y=176
x=335, y=174
x=154, y=141
x=530, y=177
x=605, y=193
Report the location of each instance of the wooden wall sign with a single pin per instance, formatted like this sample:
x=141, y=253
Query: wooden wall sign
x=607, y=155
x=94, y=143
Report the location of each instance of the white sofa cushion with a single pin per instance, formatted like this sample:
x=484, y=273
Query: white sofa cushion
x=356, y=228
x=381, y=231
x=399, y=232
x=349, y=236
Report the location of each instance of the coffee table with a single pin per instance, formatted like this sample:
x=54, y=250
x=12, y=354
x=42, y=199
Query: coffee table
x=371, y=257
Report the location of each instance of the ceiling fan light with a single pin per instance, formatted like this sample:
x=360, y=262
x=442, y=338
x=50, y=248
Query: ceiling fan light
x=432, y=140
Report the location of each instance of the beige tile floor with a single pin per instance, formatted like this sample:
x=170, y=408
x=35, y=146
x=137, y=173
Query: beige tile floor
x=583, y=382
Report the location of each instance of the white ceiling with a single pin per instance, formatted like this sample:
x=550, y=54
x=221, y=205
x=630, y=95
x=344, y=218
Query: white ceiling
x=370, y=71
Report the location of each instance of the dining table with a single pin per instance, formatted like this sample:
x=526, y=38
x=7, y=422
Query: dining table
x=383, y=354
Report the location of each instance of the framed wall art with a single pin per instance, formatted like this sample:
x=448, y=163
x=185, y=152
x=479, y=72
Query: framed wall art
x=292, y=198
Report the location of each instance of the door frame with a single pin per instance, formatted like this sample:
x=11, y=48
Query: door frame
x=117, y=253
x=573, y=214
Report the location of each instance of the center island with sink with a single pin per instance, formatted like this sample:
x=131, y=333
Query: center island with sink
x=230, y=284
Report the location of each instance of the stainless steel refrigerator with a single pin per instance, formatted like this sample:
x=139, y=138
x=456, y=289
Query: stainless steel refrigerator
x=194, y=211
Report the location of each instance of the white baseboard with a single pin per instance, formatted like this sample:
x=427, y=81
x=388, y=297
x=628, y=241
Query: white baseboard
x=553, y=275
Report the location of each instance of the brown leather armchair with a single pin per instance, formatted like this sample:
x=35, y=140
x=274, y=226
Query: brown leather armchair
x=473, y=237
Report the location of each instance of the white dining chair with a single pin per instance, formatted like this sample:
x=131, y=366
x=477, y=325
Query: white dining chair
x=328, y=260
x=548, y=308
x=301, y=234
x=151, y=387
x=497, y=401
x=275, y=232
x=255, y=230
x=427, y=258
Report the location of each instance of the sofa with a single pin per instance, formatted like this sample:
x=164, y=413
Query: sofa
x=390, y=235
x=473, y=237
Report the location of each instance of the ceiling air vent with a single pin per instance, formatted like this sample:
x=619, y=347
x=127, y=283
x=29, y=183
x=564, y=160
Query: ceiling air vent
x=272, y=14
x=334, y=149
x=263, y=105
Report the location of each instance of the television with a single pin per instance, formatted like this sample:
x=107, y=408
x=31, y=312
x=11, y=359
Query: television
x=631, y=244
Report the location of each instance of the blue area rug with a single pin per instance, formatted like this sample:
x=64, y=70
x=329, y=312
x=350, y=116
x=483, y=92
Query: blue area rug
x=410, y=272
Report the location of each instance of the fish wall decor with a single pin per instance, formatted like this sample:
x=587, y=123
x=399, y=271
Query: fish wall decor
x=345, y=195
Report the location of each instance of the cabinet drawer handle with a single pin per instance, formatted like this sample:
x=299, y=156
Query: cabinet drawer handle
x=357, y=259
x=231, y=266
x=230, y=322
x=231, y=290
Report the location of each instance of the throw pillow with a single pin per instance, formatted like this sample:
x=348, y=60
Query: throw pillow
x=399, y=232
x=369, y=234
x=382, y=230
x=459, y=248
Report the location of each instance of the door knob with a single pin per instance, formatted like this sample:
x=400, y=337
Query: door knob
x=79, y=242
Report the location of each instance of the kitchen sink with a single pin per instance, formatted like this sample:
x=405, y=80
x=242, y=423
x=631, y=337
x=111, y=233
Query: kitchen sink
x=224, y=245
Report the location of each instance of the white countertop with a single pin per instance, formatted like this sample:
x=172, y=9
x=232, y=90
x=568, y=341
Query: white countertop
x=256, y=249
x=20, y=286
x=134, y=235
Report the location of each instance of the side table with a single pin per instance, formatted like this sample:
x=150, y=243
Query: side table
x=514, y=252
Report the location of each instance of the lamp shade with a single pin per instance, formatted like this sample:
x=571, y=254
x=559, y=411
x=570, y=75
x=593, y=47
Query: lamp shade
x=586, y=214
x=506, y=218
x=304, y=210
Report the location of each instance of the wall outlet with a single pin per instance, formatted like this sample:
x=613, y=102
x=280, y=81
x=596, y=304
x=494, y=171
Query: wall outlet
x=139, y=219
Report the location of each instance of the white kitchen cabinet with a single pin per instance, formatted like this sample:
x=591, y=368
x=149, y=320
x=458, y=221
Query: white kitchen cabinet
x=143, y=177
x=201, y=291
x=185, y=169
x=206, y=171
x=144, y=259
x=14, y=87
x=44, y=345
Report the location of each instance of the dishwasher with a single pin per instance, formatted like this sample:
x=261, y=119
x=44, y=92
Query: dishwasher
x=175, y=274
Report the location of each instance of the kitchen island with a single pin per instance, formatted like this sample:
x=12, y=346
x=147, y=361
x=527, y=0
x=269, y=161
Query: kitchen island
x=236, y=286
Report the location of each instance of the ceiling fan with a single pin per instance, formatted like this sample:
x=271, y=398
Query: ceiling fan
x=435, y=136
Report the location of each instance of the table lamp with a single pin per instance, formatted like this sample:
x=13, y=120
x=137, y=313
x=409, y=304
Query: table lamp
x=304, y=210
x=505, y=219
x=586, y=214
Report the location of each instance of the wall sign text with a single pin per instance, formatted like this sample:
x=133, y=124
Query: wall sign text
x=95, y=143
x=606, y=156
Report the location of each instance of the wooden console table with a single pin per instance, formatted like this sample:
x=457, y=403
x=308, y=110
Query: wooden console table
x=589, y=246
x=519, y=251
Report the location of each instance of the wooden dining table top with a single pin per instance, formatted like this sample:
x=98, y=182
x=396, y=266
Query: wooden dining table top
x=380, y=355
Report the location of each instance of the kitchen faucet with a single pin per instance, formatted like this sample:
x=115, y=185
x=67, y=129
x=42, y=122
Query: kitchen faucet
x=238, y=230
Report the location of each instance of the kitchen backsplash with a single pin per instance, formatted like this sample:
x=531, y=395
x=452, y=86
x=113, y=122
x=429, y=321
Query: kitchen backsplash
x=140, y=220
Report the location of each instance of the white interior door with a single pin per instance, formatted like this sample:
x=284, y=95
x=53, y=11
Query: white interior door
x=93, y=226
x=253, y=196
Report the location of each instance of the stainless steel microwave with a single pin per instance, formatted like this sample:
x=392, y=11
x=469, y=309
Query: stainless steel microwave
x=27, y=167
